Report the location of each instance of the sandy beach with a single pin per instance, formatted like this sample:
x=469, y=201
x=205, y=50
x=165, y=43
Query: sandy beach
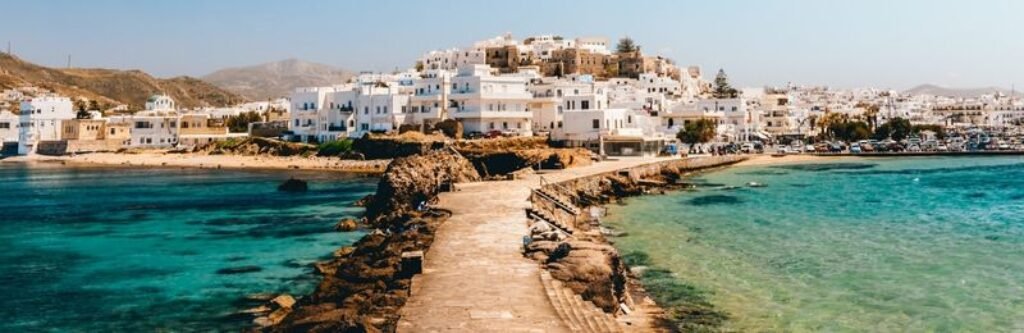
x=164, y=159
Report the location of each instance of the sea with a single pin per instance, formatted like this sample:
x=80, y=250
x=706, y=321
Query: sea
x=917, y=244
x=88, y=249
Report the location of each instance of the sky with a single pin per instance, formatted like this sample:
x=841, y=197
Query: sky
x=879, y=43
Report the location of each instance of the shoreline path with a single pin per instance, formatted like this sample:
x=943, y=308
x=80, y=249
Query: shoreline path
x=475, y=278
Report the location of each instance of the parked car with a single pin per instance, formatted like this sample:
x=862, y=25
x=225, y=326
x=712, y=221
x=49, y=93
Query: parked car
x=493, y=134
x=855, y=149
x=747, y=147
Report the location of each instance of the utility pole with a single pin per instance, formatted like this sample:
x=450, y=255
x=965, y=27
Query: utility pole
x=9, y=48
x=69, y=60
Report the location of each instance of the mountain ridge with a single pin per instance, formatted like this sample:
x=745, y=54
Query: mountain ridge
x=277, y=78
x=937, y=90
x=112, y=86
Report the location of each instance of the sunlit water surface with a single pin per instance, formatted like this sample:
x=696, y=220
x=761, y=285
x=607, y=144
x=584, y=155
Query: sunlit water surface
x=92, y=249
x=875, y=245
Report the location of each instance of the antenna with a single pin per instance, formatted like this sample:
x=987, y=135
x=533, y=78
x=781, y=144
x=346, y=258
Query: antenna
x=9, y=48
x=69, y=60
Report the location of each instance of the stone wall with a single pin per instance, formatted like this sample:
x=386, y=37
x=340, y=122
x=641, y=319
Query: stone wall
x=62, y=147
x=586, y=263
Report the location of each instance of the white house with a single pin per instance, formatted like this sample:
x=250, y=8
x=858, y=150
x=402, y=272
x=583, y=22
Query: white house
x=8, y=127
x=160, y=103
x=614, y=132
x=485, y=102
x=40, y=120
x=150, y=129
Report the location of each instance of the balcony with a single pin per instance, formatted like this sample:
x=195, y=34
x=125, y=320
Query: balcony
x=476, y=113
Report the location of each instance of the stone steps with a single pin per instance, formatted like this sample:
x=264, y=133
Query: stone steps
x=578, y=314
x=568, y=207
x=539, y=215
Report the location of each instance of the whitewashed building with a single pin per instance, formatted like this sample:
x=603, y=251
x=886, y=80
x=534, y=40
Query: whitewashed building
x=486, y=102
x=160, y=103
x=40, y=120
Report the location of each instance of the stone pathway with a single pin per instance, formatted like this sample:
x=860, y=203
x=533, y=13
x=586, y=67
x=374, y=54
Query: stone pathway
x=475, y=278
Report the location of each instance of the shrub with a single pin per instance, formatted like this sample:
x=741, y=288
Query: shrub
x=335, y=148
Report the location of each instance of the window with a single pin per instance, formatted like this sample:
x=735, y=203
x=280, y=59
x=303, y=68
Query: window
x=504, y=125
x=366, y=110
x=490, y=125
x=585, y=105
x=596, y=123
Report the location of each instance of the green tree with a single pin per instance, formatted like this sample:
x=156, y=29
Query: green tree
x=850, y=130
x=240, y=123
x=626, y=45
x=722, y=88
x=80, y=110
x=896, y=128
x=699, y=131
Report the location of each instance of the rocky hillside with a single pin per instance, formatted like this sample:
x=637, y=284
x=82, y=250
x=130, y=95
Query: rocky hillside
x=111, y=87
x=276, y=79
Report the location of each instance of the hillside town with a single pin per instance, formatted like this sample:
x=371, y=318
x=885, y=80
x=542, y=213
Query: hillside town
x=611, y=98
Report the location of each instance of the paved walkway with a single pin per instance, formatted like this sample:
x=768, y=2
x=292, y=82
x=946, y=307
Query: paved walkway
x=475, y=278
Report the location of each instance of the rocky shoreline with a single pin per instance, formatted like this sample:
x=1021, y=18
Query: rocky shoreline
x=364, y=285
x=575, y=248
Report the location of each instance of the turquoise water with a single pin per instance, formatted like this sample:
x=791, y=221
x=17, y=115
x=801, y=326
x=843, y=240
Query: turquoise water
x=870, y=245
x=88, y=250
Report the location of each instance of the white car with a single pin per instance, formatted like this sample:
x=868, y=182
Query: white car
x=809, y=148
x=941, y=147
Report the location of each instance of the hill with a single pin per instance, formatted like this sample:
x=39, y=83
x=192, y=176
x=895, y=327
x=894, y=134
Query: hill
x=931, y=89
x=276, y=79
x=112, y=87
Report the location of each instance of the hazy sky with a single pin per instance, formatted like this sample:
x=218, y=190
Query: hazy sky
x=884, y=43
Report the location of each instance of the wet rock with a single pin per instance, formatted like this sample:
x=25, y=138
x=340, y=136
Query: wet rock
x=346, y=224
x=363, y=201
x=239, y=270
x=293, y=185
x=283, y=301
x=344, y=251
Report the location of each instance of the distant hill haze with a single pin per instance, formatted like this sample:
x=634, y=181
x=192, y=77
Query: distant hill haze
x=112, y=87
x=934, y=90
x=276, y=79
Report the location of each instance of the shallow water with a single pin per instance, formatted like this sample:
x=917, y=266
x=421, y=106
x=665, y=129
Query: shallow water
x=910, y=244
x=93, y=249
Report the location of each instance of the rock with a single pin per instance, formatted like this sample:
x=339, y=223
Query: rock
x=283, y=301
x=346, y=224
x=344, y=251
x=293, y=185
x=263, y=321
x=261, y=297
x=325, y=268
x=539, y=228
x=259, y=310
x=450, y=127
x=239, y=270
x=352, y=156
x=364, y=201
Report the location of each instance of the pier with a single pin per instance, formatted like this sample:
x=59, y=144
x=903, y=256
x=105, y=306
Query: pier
x=475, y=277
